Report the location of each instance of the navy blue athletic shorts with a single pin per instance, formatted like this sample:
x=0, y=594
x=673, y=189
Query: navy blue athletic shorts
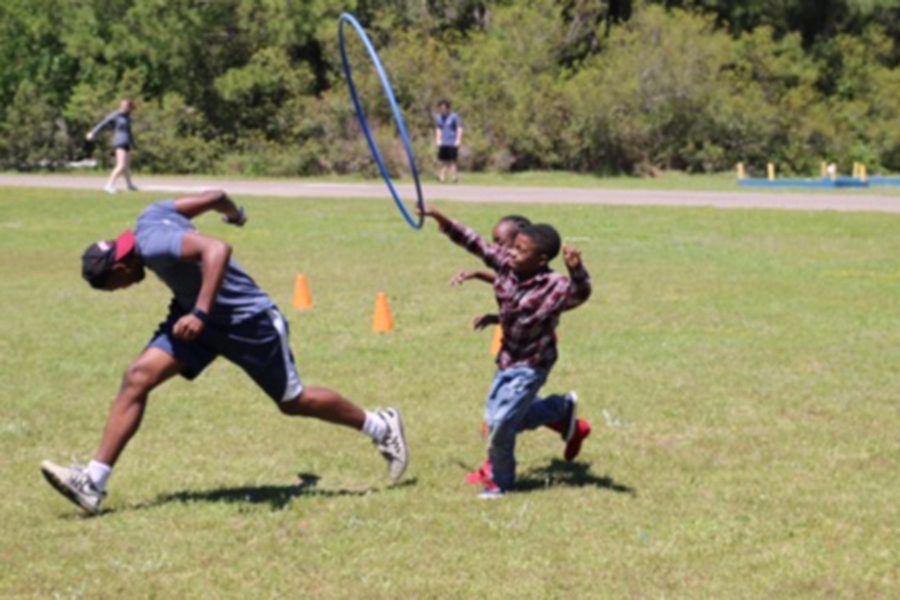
x=258, y=345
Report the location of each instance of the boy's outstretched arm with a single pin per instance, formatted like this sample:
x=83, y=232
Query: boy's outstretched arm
x=442, y=221
x=464, y=276
x=216, y=200
x=463, y=236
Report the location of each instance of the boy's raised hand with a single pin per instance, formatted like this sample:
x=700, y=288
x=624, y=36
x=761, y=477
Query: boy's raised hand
x=572, y=257
x=427, y=211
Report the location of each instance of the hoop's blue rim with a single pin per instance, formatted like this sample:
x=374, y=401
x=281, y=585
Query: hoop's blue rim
x=398, y=117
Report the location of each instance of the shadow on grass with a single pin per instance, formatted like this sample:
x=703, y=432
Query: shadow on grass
x=560, y=473
x=277, y=497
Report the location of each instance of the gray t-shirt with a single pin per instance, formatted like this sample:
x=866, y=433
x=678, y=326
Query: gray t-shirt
x=121, y=123
x=159, y=235
x=449, y=125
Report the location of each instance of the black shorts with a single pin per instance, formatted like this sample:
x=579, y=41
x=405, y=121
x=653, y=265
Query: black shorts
x=258, y=345
x=448, y=153
x=126, y=147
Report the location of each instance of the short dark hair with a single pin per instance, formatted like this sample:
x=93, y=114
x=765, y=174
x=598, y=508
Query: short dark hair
x=545, y=237
x=518, y=220
x=444, y=102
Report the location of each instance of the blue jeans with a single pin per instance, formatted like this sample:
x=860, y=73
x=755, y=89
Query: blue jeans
x=513, y=406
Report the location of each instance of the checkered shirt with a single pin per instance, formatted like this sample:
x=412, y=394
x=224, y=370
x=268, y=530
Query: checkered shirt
x=529, y=308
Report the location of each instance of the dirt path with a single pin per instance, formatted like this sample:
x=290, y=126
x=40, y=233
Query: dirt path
x=845, y=201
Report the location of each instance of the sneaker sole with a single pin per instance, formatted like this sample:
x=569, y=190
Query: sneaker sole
x=491, y=496
x=396, y=478
x=60, y=486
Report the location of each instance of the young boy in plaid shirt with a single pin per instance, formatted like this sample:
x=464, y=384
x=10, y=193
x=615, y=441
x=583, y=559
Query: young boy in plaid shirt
x=504, y=235
x=531, y=298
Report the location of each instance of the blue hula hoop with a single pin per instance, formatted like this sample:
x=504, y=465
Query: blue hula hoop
x=398, y=117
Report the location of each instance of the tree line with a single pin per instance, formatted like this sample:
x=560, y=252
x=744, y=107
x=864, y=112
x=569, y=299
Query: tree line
x=604, y=86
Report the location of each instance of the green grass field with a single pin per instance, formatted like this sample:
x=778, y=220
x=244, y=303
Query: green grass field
x=740, y=369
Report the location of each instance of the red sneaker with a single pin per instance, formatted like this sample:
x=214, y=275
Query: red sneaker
x=482, y=476
x=573, y=446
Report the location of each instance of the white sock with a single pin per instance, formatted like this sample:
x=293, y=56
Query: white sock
x=99, y=474
x=374, y=427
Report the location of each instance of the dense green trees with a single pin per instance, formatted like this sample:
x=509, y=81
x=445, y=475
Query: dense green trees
x=254, y=86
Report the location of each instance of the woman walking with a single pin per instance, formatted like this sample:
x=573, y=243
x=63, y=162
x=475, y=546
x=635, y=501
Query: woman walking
x=123, y=142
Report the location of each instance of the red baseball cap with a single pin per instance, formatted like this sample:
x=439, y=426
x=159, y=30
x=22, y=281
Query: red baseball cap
x=98, y=259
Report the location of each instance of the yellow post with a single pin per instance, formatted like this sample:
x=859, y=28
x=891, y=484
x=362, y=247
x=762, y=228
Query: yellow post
x=741, y=172
x=855, y=170
x=770, y=169
x=863, y=173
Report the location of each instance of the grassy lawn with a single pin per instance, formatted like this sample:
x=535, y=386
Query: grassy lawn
x=740, y=369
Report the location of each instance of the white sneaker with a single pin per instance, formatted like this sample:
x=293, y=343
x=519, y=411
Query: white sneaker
x=109, y=189
x=73, y=483
x=572, y=420
x=393, y=446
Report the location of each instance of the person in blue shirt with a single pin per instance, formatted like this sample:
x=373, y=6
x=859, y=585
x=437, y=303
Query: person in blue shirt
x=216, y=310
x=448, y=137
x=122, y=141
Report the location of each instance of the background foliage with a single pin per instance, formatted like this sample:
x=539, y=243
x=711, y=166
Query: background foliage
x=604, y=86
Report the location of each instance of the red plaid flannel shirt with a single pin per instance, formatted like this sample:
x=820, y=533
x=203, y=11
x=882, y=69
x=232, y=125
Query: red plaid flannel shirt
x=530, y=308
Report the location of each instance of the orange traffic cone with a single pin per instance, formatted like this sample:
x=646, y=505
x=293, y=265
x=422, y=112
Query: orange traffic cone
x=302, y=298
x=384, y=318
x=497, y=343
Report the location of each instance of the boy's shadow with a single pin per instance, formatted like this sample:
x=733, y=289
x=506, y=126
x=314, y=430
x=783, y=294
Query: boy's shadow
x=568, y=474
x=277, y=497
